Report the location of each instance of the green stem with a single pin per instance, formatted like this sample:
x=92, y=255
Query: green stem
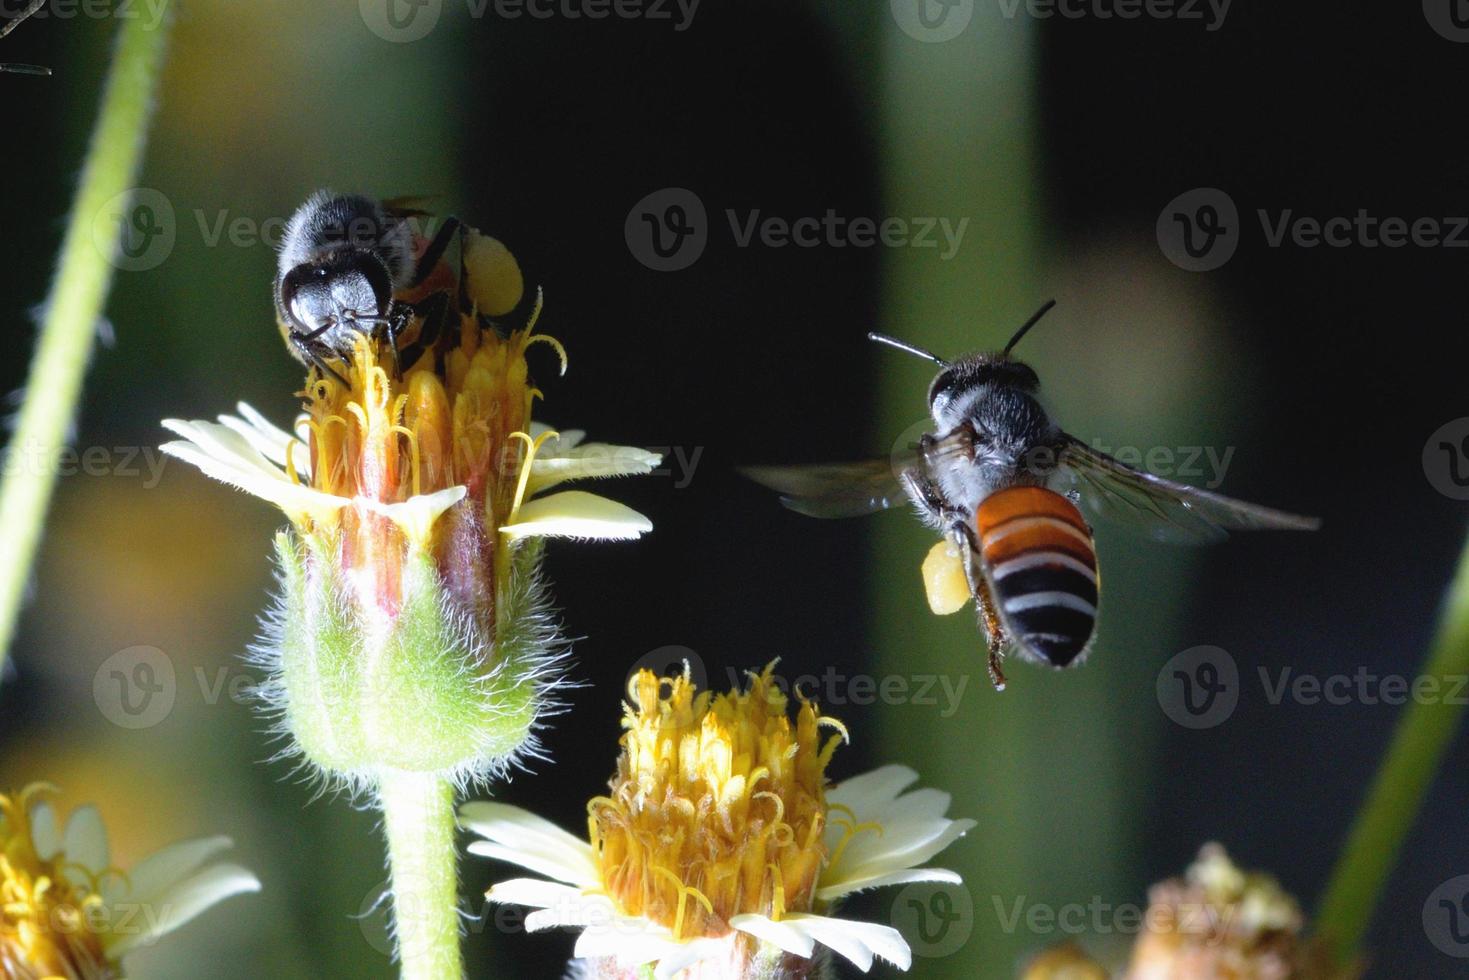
x=1397, y=793
x=418, y=818
x=74, y=306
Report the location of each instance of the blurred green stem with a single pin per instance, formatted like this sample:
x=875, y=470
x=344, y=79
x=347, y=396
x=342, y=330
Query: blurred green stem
x=1397, y=794
x=418, y=818
x=74, y=307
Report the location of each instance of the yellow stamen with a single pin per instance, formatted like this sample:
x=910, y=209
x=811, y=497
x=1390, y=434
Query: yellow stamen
x=413, y=454
x=533, y=446
x=554, y=344
x=852, y=830
x=688, y=808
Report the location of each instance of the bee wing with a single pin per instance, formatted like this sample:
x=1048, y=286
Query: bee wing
x=409, y=205
x=1165, y=510
x=833, y=489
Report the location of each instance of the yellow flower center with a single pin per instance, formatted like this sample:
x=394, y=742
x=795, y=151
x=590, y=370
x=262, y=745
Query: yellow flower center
x=46, y=905
x=717, y=808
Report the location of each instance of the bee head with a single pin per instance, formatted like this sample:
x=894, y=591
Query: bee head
x=947, y=399
x=340, y=287
x=948, y=395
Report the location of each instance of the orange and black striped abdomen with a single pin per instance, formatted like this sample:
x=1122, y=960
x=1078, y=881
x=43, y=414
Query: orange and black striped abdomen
x=1042, y=568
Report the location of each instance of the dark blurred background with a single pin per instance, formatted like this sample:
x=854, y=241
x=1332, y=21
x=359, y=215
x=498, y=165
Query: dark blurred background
x=1062, y=140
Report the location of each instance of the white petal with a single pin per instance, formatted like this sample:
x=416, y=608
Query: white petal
x=582, y=911
x=563, y=866
x=900, y=847
x=634, y=941
x=921, y=804
x=161, y=870
x=533, y=837
x=570, y=438
x=296, y=500
x=183, y=902
x=787, y=937
x=829, y=892
x=857, y=941
x=224, y=445
x=871, y=790
x=591, y=461
x=416, y=515
x=86, y=839
x=536, y=893
x=45, y=838
x=578, y=514
x=269, y=440
x=687, y=954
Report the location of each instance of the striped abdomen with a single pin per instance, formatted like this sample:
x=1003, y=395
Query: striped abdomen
x=1043, y=570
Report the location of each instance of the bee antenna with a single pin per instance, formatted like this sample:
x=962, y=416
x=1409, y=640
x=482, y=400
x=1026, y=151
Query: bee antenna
x=907, y=348
x=1025, y=327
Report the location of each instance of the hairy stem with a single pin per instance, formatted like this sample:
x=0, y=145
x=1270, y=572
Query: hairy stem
x=1397, y=794
x=418, y=818
x=74, y=306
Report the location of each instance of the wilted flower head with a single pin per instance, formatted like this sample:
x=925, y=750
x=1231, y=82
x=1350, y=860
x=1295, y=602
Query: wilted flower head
x=412, y=632
x=720, y=849
x=1220, y=922
x=66, y=911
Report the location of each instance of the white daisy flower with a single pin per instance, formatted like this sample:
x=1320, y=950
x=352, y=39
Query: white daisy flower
x=720, y=847
x=251, y=453
x=67, y=911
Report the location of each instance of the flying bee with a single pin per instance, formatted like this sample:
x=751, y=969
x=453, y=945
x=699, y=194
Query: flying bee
x=350, y=265
x=999, y=479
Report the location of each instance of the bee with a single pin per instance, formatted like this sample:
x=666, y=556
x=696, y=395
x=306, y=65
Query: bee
x=1000, y=480
x=351, y=265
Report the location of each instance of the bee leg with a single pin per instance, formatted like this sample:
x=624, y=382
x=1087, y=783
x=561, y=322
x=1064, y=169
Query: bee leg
x=434, y=311
x=311, y=352
x=435, y=250
x=318, y=362
x=963, y=539
x=994, y=634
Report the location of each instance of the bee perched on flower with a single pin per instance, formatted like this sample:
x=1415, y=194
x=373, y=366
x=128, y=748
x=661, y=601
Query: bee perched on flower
x=720, y=850
x=412, y=650
x=66, y=911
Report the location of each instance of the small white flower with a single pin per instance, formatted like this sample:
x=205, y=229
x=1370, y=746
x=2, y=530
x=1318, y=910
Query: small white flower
x=249, y=452
x=68, y=911
x=675, y=784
